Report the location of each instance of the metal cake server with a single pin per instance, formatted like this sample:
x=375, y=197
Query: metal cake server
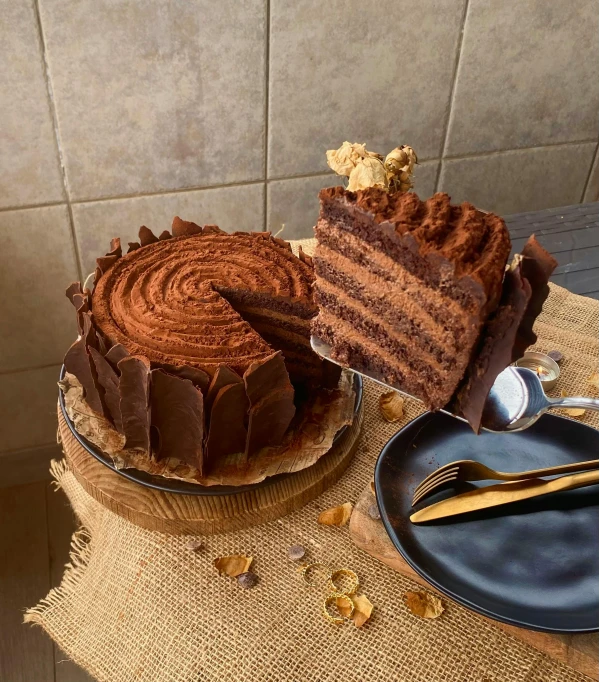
x=515, y=401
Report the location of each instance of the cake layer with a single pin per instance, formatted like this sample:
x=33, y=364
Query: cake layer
x=406, y=309
x=406, y=347
x=363, y=354
x=457, y=249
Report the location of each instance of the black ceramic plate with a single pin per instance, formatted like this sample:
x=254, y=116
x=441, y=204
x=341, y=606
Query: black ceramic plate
x=172, y=485
x=533, y=564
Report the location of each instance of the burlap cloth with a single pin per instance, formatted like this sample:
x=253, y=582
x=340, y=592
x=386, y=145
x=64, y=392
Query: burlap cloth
x=138, y=605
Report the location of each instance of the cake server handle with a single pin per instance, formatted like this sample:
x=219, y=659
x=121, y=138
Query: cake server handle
x=574, y=401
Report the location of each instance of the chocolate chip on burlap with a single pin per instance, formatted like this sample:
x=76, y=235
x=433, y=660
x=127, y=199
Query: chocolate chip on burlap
x=138, y=605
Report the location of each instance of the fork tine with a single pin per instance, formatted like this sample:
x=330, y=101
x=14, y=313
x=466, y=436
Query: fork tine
x=436, y=474
x=452, y=476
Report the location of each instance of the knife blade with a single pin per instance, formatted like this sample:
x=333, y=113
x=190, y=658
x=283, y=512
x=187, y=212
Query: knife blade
x=502, y=493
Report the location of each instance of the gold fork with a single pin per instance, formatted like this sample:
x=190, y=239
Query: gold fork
x=469, y=470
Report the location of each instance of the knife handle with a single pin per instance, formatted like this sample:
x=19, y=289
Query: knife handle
x=574, y=481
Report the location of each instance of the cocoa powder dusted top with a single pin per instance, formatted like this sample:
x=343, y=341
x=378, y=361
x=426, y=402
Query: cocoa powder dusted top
x=174, y=301
x=476, y=244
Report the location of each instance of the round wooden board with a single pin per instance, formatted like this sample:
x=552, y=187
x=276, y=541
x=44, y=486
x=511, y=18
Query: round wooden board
x=206, y=514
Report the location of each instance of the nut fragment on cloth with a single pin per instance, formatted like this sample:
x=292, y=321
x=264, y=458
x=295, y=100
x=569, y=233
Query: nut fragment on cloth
x=139, y=605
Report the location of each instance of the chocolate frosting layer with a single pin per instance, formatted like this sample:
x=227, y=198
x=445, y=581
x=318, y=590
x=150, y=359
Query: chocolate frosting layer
x=177, y=419
x=162, y=300
x=134, y=391
x=460, y=239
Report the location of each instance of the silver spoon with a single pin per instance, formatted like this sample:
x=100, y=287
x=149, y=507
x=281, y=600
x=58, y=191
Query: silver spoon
x=515, y=401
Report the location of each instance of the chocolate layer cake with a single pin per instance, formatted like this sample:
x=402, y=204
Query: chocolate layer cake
x=405, y=287
x=190, y=342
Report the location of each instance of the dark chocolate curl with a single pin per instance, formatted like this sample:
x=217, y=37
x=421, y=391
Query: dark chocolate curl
x=228, y=432
x=106, y=262
x=116, y=354
x=212, y=229
x=72, y=290
x=270, y=395
x=97, y=275
x=303, y=256
x=495, y=352
x=133, y=246
x=115, y=247
x=77, y=362
x=269, y=419
x=265, y=375
x=109, y=381
x=177, y=418
x=283, y=243
x=222, y=377
x=197, y=376
x=537, y=266
x=184, y=228
x=146, y=236
x=165, y=235
x=134, y=392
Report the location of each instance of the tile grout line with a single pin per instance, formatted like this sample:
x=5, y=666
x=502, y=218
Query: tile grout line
x=57, y=139
x=266, y=112
x=588, y=180
x=452, y=92
x=300, y=176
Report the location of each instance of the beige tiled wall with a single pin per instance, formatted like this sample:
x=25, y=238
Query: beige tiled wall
x=122, y=112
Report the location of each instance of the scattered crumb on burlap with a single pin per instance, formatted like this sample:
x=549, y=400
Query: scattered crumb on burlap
x=138, y=605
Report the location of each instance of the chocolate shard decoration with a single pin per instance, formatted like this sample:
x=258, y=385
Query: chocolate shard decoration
x=133, y=246
x=212, y=229
x=495, y=351
x=73, y=289
x=184, y=228
x=537, y=266
x=106, y=262
x=197, y=376
x=269, y=418
x=115, y=354
x=265, y=375
x=283, y=243
x=134, y=392
x=102, y=346
x=109, y=381
x=115, y=247
x=331, y=373
x=303, y=256
x=165, y=235
x=222, y=377
x=264, y=235
x=146, y=236
x=177, y=419
x=77, y=361
x=228, y=432
x=97, y=275
x=270, y=395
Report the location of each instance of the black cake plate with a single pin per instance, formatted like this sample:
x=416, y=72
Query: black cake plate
x=173, y=485
x=532, y=564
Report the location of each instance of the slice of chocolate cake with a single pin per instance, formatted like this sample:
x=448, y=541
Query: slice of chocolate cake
x=405, y=286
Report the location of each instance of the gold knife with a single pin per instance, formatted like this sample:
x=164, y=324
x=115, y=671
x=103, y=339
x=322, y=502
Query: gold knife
x=503, y=493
